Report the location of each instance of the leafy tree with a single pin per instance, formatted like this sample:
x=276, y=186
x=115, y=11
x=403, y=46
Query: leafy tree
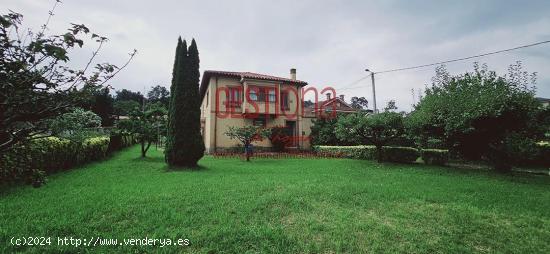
x=322, y=132
x=247, y=135
x=75, y=125
x=144, y=125
x=478, y=113
x=37, y=83
x=359, y=102
x=378, y=129
x=103, y=106
x=390, y=106
x=123, y=108
x=128, y=95
x=159, y=94
x=185, y=145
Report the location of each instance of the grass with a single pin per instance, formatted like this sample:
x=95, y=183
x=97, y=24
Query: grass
x=293, y=205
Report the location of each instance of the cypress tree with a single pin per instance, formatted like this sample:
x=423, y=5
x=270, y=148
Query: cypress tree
x=169, y=132
x=184, y=145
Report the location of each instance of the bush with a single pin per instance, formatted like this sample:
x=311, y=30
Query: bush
x=352, y=152
x=392, y=154
x=30, y=162
x=93, y=149
x=435, y=156
x=399, y=154
x=543, y=154
x=281, y=138
x=118, y=141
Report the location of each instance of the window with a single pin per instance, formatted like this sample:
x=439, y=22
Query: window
x=259, y=94
x=253, y=95
x=234, y=98
x=271, y=95
x=284, y=101
x=259, y=121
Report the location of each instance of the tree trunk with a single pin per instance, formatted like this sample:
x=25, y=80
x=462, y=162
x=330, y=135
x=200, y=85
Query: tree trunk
x=143, y=151
x=247, y=151
x=144, y=148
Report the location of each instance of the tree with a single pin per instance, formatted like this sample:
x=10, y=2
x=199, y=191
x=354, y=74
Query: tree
x=323, y=133
x=37, y=83
x=159, y=94
x=103, y=106
x=480, y=114
x=123, y=108
x=378, y=129
x=127, y=95
x=144, y=125
x=75, y=125
x=185, y=145
x=247, y=135
x=391, y=106
x=359, y=102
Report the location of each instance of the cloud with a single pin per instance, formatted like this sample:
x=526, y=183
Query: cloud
x=329, y=42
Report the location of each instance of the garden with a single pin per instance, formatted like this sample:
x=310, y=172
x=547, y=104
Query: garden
x=454, y=175
x=281, y=206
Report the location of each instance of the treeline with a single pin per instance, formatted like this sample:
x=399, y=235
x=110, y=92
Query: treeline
x=110, y=106
x=478, y=115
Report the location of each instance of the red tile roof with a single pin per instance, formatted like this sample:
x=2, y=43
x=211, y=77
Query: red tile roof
x=249, y=75
x=344, y=106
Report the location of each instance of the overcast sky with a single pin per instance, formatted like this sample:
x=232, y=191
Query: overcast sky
x=330, y=43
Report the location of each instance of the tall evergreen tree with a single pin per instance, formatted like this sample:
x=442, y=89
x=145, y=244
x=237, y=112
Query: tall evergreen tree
x=184, y=145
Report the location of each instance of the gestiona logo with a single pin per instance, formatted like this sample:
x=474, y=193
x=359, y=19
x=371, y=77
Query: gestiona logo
x=257, y=101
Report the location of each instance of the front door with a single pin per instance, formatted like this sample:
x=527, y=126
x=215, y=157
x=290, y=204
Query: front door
x=291, y=126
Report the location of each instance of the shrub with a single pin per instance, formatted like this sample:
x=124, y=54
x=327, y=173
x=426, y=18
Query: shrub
x=117, y=141
x=30, y=162
x=543, y=154
x=435, y=156
x=393, y=154
x=93, y=149
x=281, y=138
x=399, y=154
x=353, y=152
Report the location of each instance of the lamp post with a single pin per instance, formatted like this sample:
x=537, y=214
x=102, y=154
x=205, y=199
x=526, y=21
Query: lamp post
x=373, y=90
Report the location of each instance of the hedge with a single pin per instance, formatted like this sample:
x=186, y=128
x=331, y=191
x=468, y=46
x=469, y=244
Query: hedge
x=392, y=154
x=435, y=156
x=119, y=141
x=353, y=152
x=31, y=161
x=399, y=154
x=543, y=154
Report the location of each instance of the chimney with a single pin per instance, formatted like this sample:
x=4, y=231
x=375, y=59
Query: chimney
x=293, y=74
x=328, y=96
x=342, y=97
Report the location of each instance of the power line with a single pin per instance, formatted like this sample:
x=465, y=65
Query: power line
x=443, y=62
x=355, y=82
x=464, y=58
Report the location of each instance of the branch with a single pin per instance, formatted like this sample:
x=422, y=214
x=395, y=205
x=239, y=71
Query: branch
x=94, y=54
x=121, y=68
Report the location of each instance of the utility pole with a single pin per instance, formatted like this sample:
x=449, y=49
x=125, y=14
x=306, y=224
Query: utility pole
x=373, y=90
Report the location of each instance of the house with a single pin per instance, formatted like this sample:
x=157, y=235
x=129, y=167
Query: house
x=337, y=104
x=245, y=98
x=237, y=99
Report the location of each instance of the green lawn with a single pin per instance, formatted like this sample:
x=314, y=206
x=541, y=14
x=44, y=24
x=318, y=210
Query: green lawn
x=293, y=205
